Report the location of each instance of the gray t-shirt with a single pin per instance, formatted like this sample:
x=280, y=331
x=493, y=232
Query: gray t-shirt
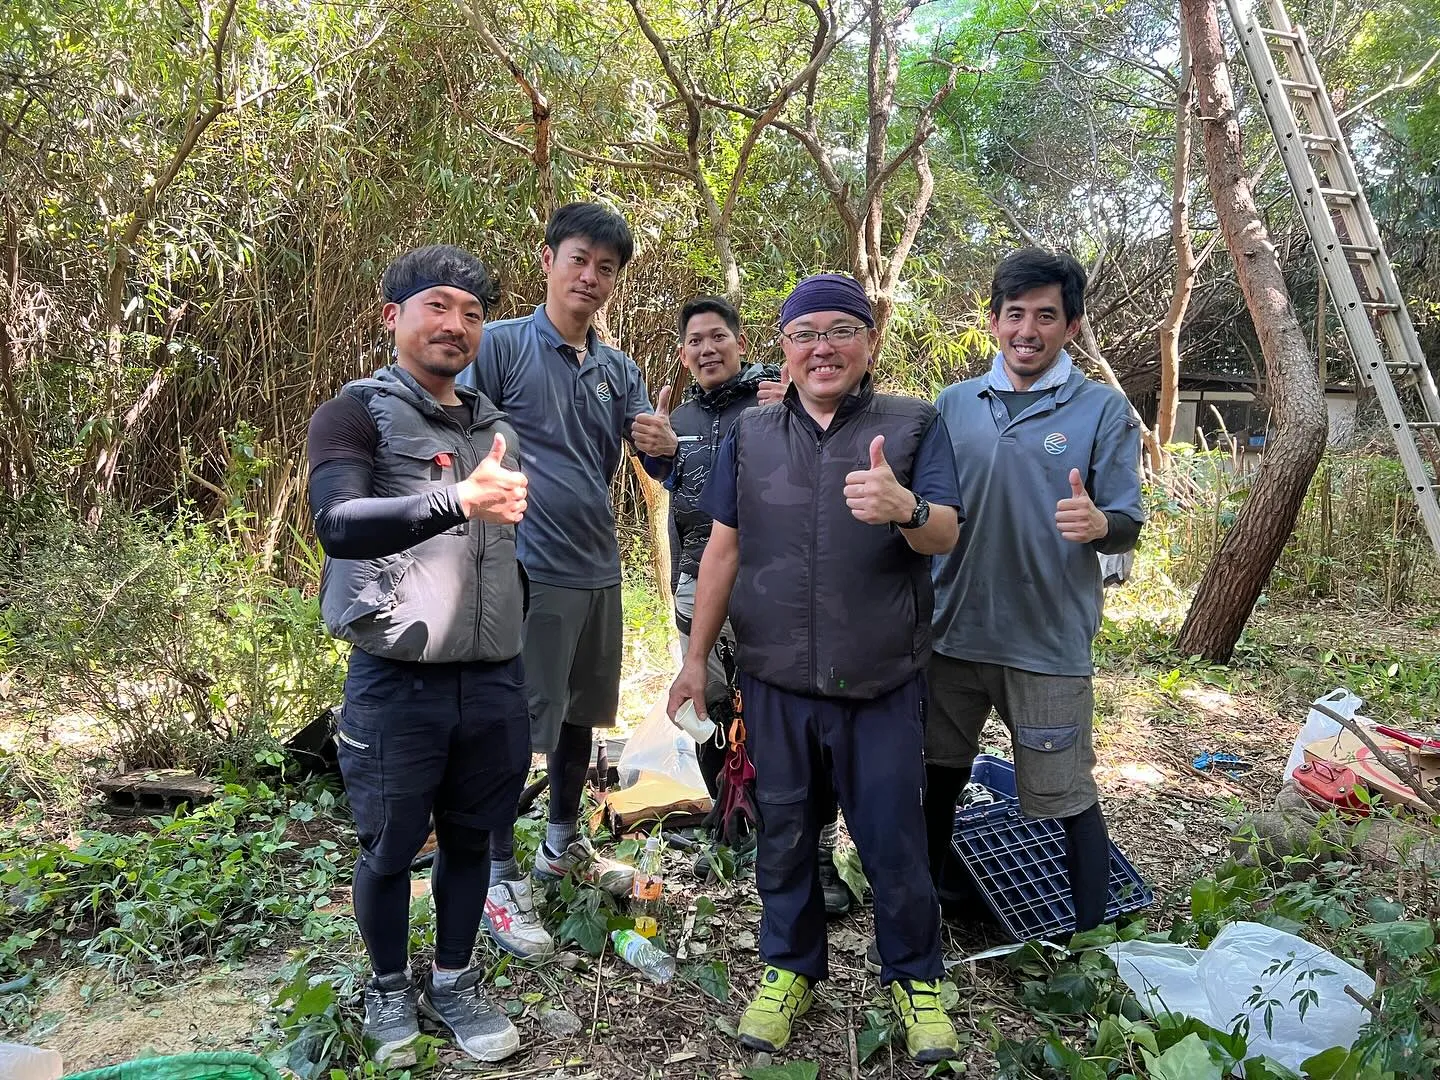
x=1014, y=591
x=570, y=417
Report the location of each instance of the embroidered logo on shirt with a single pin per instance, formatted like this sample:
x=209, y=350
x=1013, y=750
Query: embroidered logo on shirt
x=1056, y=442
x=603, y=390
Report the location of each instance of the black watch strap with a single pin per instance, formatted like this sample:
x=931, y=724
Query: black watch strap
x=920, y=516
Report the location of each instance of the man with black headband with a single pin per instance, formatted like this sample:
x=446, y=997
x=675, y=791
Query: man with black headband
x=415, y=492
x=827, y=507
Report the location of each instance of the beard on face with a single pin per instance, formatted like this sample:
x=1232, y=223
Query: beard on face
x=441, y=362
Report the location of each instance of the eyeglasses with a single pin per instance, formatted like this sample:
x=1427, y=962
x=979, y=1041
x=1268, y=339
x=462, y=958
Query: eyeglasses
x=836, y=335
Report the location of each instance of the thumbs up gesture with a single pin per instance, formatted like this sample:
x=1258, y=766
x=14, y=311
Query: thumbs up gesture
x=651, y=432
x=1077, y=517
x=873, y=495
x=493, y=493
x=770, y=391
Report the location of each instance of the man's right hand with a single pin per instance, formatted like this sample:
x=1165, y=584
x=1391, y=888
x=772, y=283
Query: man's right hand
x=689, y=685
x=771, y=391
x=492, y=492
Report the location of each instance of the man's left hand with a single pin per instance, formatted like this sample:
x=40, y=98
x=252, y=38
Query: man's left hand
x=874, y=495
x=1078, y=518
x=651, y=432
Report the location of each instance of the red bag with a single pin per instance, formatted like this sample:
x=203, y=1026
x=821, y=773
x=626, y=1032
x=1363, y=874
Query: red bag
x=735, y=814
x=1329, y=785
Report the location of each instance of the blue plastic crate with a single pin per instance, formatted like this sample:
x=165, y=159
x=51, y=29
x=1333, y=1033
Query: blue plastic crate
x=1016, y=864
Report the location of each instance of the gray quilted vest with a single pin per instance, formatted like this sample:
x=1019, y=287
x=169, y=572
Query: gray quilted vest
x=458, y=596
x=824, y=603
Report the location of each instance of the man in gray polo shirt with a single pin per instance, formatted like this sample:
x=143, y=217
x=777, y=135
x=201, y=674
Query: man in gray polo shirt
x=1049, y=474
x=572, y=400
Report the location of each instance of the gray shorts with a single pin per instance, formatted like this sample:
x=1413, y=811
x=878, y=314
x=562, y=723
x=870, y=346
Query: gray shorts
x=1050, y=717
x=573, y=647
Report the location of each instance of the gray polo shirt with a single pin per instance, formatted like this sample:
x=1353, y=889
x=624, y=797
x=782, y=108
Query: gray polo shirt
x=570, y=419
x=1014, y=592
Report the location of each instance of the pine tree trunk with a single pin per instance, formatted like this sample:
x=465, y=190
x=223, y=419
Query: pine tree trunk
x=1235, y=578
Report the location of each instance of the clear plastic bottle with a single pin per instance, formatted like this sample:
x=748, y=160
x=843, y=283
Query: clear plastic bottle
x=643, y=955
x=647, y=891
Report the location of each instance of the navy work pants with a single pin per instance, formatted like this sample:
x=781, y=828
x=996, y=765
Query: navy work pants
x=868, y=755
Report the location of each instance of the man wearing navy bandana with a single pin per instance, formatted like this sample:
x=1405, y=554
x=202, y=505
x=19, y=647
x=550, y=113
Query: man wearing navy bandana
x=415, y=490
x=827, y=507
x=1049, y=469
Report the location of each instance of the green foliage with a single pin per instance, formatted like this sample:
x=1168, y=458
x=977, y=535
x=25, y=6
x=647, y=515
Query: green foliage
x=173, y=634
x=212, y=883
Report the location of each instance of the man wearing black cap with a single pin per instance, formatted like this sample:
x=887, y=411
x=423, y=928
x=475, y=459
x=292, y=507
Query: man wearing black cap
x=826, y=508
x=415, y=494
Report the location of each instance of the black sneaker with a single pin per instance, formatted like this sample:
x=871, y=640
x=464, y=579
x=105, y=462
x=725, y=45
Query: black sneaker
x=390, y=1023
x=480, y=1029
x=837, y=893
x=872, y=958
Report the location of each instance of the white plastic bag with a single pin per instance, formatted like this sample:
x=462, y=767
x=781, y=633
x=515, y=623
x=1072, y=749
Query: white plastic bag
x=658, y=746
x=1318, y=726
x=1219, y=987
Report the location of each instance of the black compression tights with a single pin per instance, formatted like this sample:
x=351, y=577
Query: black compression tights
x=567, y=765
x=382, y=908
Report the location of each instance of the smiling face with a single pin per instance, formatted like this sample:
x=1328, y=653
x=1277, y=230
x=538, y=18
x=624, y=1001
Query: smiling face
x=824, y=371
x=437, y=331
x=711, y=350
x=1031, y=330
x=579, y=277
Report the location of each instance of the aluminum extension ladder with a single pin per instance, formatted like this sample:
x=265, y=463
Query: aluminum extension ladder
x=1348, y=245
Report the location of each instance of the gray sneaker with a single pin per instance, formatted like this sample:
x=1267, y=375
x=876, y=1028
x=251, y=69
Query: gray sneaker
x=580, y=859
x=512, y=921
x=480, y=1029
x=390, y=1024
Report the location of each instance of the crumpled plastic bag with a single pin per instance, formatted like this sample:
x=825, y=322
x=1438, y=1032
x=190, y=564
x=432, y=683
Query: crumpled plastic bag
x=661, y=748
x=1318, y=726
x=1218, y=986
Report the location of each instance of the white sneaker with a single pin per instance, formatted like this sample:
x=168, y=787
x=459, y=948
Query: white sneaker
x=976, y=795
x=580, y=859
x=511, y=919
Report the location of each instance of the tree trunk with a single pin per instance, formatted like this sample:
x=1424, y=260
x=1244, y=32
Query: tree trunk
x=1234, y=580
x=1169, y=398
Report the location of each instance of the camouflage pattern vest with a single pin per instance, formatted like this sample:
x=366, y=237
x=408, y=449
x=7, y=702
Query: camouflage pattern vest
x=458, y=596
x=823, y=603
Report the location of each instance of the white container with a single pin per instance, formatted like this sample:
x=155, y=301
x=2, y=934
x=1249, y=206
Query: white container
x=29, y=1063
x=690, y=723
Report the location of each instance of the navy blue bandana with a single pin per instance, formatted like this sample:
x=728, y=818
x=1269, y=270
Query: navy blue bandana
x=827, y=292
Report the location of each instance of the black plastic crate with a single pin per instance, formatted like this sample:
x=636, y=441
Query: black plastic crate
x=1017, y=864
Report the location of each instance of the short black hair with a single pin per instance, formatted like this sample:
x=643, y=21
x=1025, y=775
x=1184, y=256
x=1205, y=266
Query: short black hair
x=439, y=264
x=1034, y=268
x=711, y=305
x=593, y=222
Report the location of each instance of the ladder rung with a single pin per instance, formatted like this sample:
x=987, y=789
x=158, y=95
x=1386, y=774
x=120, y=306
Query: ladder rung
x=1337, y=193
x=1282, y=35
x=1379, y=305
x=1300, y=87
x=1318, y=140
x=1423, y=423
x=1369, y=251
x=1402, y=365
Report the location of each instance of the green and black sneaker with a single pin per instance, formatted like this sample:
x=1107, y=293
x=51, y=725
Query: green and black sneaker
x=929, y=1034
x=783, y=996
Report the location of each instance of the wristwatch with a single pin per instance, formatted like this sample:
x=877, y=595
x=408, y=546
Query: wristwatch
x=919, y=517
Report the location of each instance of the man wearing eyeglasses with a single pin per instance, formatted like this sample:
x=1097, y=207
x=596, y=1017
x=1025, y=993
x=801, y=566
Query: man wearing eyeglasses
x=827, y=507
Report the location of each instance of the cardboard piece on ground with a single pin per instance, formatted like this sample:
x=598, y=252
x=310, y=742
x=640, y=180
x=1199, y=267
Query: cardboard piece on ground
x=654, y=796
x=1346, y=750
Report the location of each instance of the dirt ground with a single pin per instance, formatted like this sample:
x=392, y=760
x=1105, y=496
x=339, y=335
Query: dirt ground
x=1172, y=821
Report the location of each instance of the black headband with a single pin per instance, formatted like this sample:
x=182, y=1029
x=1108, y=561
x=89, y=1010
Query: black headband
x=422, y=284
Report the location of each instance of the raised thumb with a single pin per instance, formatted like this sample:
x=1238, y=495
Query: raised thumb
x=877, y=451
x=1077, y=487
x=662, y=402
x=497, y=449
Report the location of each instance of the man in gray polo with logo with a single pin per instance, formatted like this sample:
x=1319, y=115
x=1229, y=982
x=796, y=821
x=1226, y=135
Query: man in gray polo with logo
x=572, y=399
x=1049, y=474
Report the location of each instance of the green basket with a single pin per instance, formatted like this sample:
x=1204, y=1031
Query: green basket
x=185, y=1067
